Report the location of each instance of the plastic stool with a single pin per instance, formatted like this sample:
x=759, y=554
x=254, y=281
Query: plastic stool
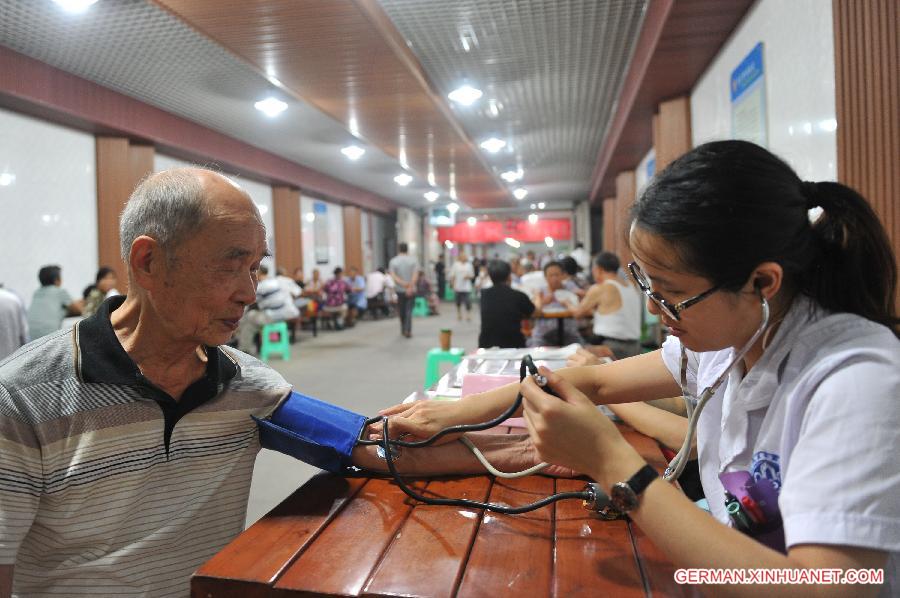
x=433, y=360
x=420, y=307
x=274, y=338
x=449, y=295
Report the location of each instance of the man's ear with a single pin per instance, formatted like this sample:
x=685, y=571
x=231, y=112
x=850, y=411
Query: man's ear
x=767, y=279
x=146, y=262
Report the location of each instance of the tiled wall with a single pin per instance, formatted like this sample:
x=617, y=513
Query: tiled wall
x=49, y=204
x=798, y=58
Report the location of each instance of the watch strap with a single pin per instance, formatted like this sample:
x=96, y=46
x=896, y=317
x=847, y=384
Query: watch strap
x=640, y=480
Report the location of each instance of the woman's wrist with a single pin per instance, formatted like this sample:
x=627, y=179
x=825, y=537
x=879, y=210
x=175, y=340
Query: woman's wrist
x=617, y=461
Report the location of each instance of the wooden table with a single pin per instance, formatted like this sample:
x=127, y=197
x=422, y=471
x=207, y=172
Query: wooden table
x=363, y=537
x=560, y=316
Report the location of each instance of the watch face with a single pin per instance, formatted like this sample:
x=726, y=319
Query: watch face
x=623, y=497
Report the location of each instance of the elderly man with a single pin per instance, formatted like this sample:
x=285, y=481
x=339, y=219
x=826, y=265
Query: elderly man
x=126, y=445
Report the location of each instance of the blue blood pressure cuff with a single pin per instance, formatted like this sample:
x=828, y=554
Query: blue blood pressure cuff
x=317, y=433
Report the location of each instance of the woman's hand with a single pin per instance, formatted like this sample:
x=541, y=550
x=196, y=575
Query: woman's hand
x=420, y=420
x=571, y=432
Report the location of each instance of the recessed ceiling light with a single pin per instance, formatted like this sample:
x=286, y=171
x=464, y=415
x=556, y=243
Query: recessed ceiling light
x=533, y=206
x=403, y=179
x=310, y=216
x=532, y=218
x=271, y=107
x=512, y=242
x=453, y=208
x=354, y=152
x=511, y=176
x=471, y=220
x=431, y=195
x=520, y=193
x=465, y=95
x=75, y=6
x=542, y=205
x=548, y=241
x=494, y=108
x=493, y=145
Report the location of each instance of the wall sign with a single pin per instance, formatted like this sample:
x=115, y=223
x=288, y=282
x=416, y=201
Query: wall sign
x=320, y=232
x=748, y=98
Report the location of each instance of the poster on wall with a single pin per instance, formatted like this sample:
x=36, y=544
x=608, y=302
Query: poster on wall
x=748, y=99
x=320, y=232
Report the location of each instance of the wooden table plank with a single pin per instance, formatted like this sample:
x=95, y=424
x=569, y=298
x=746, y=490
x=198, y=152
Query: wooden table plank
x=344, y=555
x=658, y=570
x=429, y=554
x=594, y=557
x=262, y=551
x=512, y=554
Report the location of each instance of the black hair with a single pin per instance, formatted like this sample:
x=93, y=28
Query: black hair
x=607, y=261
x=553, y=264
x=499, y=271
x=579, y=245
x=728, y=206
x=48, y=275
x=402, y=248
x=338, y=270
x=569, y=265
x=102, y=273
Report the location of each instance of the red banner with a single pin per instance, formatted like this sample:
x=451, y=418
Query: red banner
x=493, y=231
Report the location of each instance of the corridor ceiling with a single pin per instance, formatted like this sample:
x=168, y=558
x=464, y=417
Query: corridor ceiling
x=372, y=73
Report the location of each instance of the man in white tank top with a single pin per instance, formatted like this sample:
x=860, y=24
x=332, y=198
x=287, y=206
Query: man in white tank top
x=615, y=306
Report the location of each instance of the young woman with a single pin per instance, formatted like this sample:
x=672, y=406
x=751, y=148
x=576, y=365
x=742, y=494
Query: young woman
x=803, y=310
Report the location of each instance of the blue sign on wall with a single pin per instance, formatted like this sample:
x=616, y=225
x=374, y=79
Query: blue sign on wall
x=747, y=72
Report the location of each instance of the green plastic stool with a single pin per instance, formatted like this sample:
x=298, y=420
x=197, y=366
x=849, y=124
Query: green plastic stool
x=433, y=360
x=449, y=295
x=274, y=338
x=420, y=307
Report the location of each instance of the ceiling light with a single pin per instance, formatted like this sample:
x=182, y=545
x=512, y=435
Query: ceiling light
x=271, y=107
x=532, y=218
x=403, y=179
x=471, y=220
x=448, y=244
x=431, y=195
x=310, y=217
x=75, y=6
x=542, y=205
x=548, y=241
x=520, y=193
x=354, y=152
x=494, y=108
x=493, y=145
x=511, y=176
x=453, y=208
x=512, y=242
x=7, y=179
x=465, y=95
x=534, y=206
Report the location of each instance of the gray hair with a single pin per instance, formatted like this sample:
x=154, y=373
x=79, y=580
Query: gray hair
x=166, y=206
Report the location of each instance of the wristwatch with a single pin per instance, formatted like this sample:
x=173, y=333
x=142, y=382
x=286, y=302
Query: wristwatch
x=624, y=495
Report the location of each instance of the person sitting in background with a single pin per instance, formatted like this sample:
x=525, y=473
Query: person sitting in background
x=483, y=280
x=336, y=291
x=290, y=286
x=546, y=330
x=573, y=280
x=273, y=304
x=424, y=289
x=376, y=283
x=13, y=323
x=581, y=256
x=615, y=306
x=314, y=289
x=502, y=310
x=104, y=286
x=356, y=302
x=532, y=280
x=50, y=303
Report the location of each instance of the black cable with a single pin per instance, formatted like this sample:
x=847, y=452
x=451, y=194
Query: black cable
x=387, y=443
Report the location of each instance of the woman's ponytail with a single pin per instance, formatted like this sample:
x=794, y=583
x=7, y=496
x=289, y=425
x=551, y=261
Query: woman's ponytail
x=855, y=269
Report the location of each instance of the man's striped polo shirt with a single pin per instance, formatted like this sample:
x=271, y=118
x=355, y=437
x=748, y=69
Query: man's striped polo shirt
x=108, y=486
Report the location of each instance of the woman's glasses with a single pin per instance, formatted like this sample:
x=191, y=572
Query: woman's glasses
x=672, y=310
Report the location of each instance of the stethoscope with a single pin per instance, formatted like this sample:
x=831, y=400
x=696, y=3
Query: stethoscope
x=592, y=492
x=676, y=466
